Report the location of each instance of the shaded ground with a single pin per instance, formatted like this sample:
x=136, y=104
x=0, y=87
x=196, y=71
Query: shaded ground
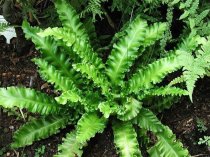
x=21, y=71
x=183, y=117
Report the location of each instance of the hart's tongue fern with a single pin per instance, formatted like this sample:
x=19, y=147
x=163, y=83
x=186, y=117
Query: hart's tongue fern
x=92, y=91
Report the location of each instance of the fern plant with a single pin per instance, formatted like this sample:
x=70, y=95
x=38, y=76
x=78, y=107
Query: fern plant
x=95, y=92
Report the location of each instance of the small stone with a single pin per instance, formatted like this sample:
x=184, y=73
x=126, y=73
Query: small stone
x=11, y=127
x=17, y=76
x=8, y=153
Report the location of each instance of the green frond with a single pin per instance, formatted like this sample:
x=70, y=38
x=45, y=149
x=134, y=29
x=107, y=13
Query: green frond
x=125, y=139
x=194, y=7
x=162, y=103
x=189, y=44
x=88, y=126
x=186, y=4
x=92, y=99
x=30, y=99
x=129, y=109
x=79, y=46
x=126, y=51
x=195, y=67
x=177, y=80
x=93, y=74
x=70, y=19
x=163, y=91
x=94, y=7
x=153, y=73
x=147, y=120
x=167, y=146
x=154, y=152
x=201, y=16
x=66, y=85
x=153, y=33
x=108, y=108
x=49, y=50
x=184, y=15
x=50, y=74
x=38, y=129
x=70, y=147
x=68, y=96
x=59, y=33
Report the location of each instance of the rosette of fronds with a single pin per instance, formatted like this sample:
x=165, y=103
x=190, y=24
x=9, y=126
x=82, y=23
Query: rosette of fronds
x=94, y=92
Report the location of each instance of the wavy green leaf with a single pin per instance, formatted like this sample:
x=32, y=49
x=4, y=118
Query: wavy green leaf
x=108, y=108
x=153, y=73
x=70, y=19
x=93, y=74
x=38, y=129
x=147, y=120
x=125, y=138
x=167, y=146
x=70, y=147
x=68, y=96
x=33, y=101
x=129, y=110
x=89, y=125
x=153, y=33
x=126, y=51
x=79, y=46
x=50, y=51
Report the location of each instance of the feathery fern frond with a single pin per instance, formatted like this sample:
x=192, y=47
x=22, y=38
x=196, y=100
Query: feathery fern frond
x=38, y=129
x=129, y=110
x=167, y=145
x=177, y=80
x=93, y=74
x=126, y=50
x=189, y=44
x=163, y=91
x=153, y=73
x=88, y=125
x=79, y=46
x=201, y=16
x=190, y=7
x=94, y=7
x=125, y=138
x=195, y=68
x=30, y=99
x=70, y=146
x=147, y=120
